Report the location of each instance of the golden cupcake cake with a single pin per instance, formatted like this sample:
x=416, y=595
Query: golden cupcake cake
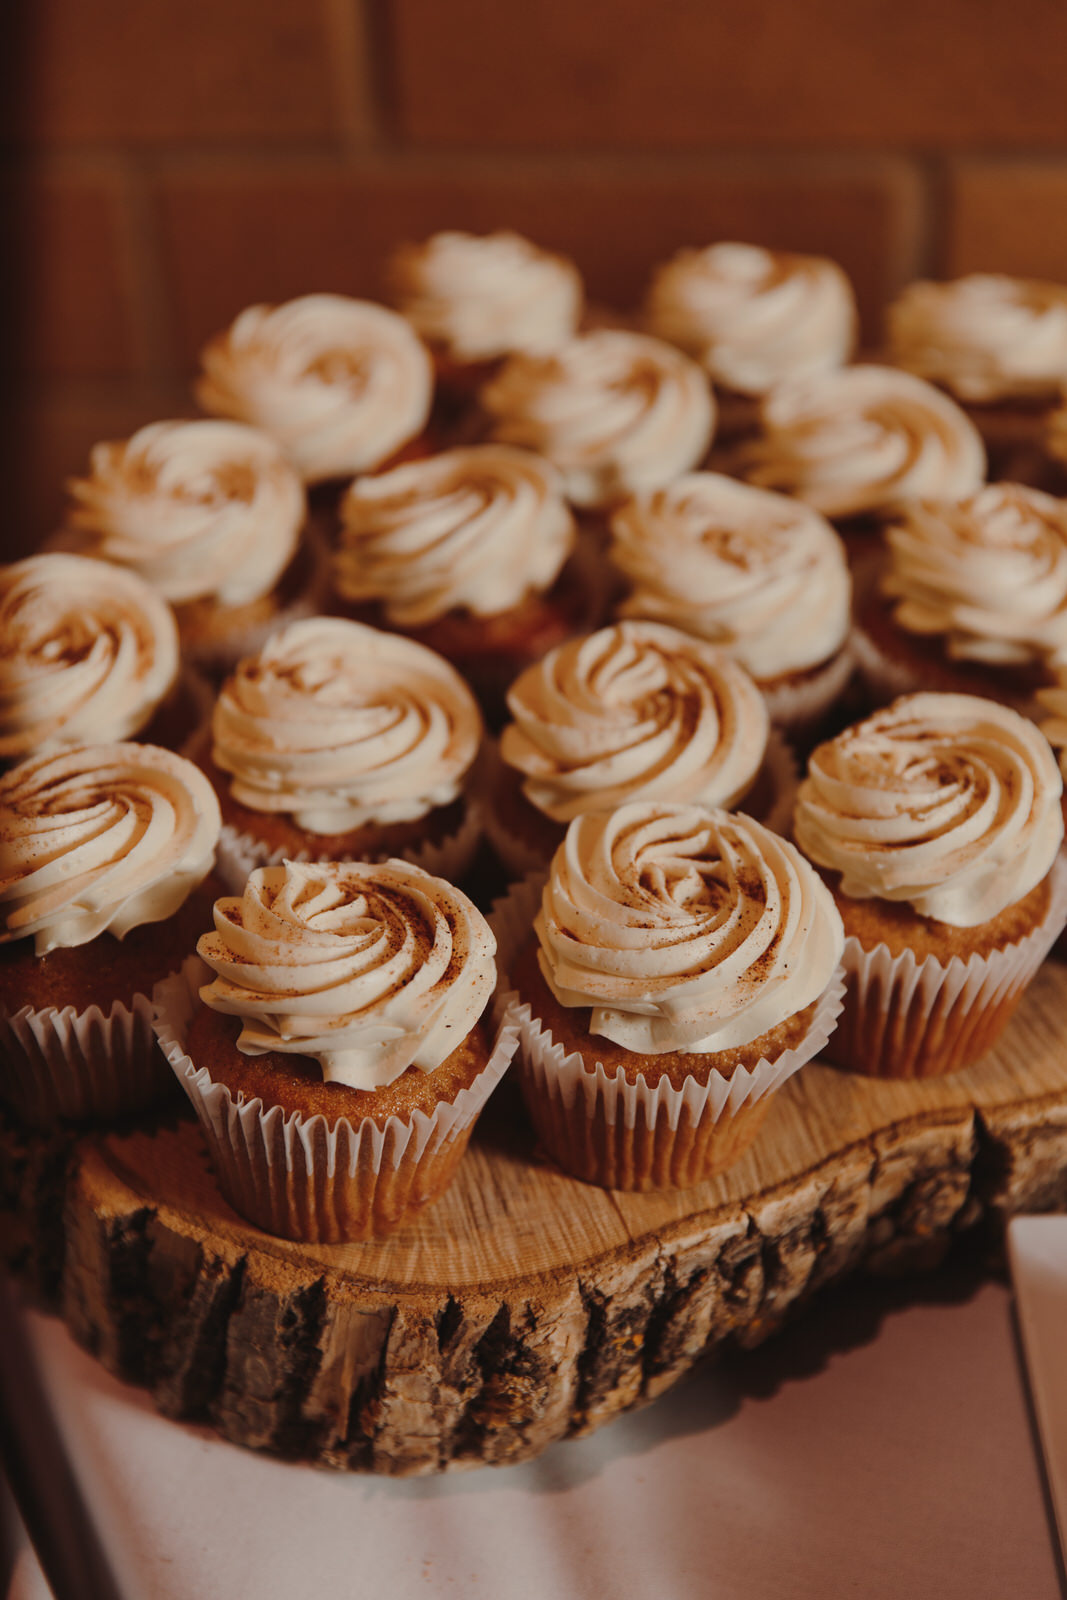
x=104, y=853
x=753, y=318
x=466, y=551
x=759, y=574
x=331, y=1039
x=341, y=742
x=210, y=515
x=937, y=825
x=88, y=655
x=342, y=385
x=683, y=966
x=635, y=711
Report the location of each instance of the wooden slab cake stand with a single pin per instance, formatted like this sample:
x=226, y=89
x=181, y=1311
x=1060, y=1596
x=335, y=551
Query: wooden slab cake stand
x=524, y=1306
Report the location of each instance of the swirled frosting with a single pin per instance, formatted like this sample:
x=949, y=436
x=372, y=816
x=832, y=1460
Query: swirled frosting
x=341, y=384
x=100, y=838
x=684, y=929
x=339, y=726
x=946, y=801
x=194, y=508
x=761, y=575
x=368, y=970
x=472, y=529
x=479, y=296
x=86, y=653
x=984, y=337
x=864, y=439
x=988, y=572
x=636, y=711
x=754, y=317
x=616, y=412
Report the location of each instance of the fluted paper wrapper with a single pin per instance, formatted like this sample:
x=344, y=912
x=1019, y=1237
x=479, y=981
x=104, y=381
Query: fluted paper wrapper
x=521, y=858
x=238, y=853
x=81, y=1066
x=799, y=707
x=624, y=1135
x=301, y=1178
x=905, y=1018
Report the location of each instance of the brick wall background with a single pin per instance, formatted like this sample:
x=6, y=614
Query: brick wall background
x=174, y=160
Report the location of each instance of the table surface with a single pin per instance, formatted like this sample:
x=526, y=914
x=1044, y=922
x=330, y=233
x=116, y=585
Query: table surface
x=881, y=1446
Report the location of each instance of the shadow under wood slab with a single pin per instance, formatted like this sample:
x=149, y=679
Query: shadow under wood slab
x=524, y=1306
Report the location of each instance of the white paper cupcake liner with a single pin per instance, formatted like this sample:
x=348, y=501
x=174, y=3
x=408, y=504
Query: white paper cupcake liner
x=563, y=1094
x=238, y=853
x=799, y=705
x=300, y=1178
x=80, y=1066
x=906, y=1018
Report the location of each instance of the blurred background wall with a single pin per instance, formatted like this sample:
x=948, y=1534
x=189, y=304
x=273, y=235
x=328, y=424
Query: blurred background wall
x=174, y=160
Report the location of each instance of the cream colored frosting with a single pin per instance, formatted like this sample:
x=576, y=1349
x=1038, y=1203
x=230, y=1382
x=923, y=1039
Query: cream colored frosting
x=341, y=384
x=754, y=317
x=761, y=575
x=636, y=711
x=946, y=801
x=683, y=928
x=196, y=509
x=479, y=296
x=340, y=725
x=368, y=970
x=473, y=529
x=984, y=337
x=864, y=439
x=100, y=838
x=988, y=572
x=616, y=412
x=86, y=654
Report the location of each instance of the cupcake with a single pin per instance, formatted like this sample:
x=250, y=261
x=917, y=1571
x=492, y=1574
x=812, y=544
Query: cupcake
x=637, y=711
x=753, y=318
x=104, y=852
x=467, y=552
x=998, y=345
x=758, y=574
x=615, y=412
x=342, y=385
x=860, y=443
x=476, y=298
x=338, y=742
x=682, y=967
x=973, y=597
x=209, y=515
x=88, y=655
x=937, y=826
x=337, y=1058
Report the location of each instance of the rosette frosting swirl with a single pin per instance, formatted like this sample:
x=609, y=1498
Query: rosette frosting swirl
x=100, y=838
x=480, y=296
x=946, y=801
x=988, y=572
x=985, y=337
x=761, y=575
x=340, y=384
x=86, y=653
x=636, y=711
x=471, y=529
x=194, y=508
x=863, y=439
x=368, y=970
x=754, y=317
x=616, y=412
x=684, y=929
x=339, y=726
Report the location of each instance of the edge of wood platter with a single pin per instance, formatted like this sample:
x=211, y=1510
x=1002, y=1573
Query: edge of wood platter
x=525, y=1306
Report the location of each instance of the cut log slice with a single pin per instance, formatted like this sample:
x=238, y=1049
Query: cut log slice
x=524, y=1306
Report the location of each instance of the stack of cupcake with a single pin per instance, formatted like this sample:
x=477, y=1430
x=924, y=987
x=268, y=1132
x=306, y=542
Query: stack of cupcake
x=635, y=555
